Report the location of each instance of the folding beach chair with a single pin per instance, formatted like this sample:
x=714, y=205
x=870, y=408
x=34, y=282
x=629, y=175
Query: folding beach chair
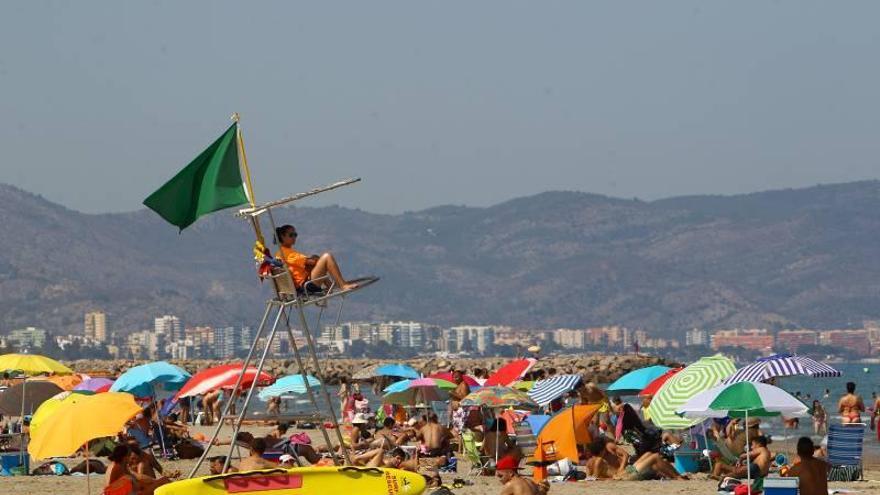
x=526, y=440
x=845, y=443
x=479, y=462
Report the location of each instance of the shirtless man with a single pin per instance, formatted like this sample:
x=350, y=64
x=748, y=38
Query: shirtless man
x=304, y=268
x=851, y=405
x=609, y=461
x=385, y=436
x=736, y=438
x=812, y=472
x=395, y=458
x=755, y=463
x=255, y=459
x=462, y=389
x=435, y=437
x=512, y=483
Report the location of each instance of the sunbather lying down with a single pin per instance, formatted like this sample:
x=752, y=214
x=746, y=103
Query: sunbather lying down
x=304, y=268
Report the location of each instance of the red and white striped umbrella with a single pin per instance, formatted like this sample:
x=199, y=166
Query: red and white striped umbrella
x=223, y=376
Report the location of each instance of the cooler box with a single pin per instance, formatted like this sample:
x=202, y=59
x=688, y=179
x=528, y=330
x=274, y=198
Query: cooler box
x=687, y=461
x=11, y=464
x=780, y=486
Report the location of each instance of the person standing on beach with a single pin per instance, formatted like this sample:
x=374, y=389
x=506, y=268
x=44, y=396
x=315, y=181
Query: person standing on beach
x=851, y=406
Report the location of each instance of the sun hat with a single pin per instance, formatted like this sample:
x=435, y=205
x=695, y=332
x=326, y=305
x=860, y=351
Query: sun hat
x=285, y=458
x=507, y=463
x=359, y=419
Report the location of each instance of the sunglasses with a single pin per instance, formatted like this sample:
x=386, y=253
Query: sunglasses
x=292, y=234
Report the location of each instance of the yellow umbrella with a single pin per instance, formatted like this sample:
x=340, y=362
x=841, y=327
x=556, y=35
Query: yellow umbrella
x=76, y=422
x=522, y=385
x=32, y=364
x=51, y=405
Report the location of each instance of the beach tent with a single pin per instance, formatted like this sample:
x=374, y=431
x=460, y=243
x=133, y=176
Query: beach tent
x=635, y=381
x=561, y=435
x=779, y=365
x=700, y=376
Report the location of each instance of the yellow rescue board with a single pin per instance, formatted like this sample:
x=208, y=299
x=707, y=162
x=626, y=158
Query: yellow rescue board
x=346, y=480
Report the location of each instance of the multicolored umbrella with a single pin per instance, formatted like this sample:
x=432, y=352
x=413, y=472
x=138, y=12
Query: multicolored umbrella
x=655, y=385
x=510, y=372
x=290, y=384
x=471, y=381
x=495, y=397
x=97, y=385
x=706, y=373
x=779, y=365
x=545, y=391
x=635, y=381
x=417, y=383
x=141, y=381
x=224, y=376
x=32, y=364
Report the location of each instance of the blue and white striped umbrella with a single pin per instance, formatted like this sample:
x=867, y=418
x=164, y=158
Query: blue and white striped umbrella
x=781, y=365
x=545, y=391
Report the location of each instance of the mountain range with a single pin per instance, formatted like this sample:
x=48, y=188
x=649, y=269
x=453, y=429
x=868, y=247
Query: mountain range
x=786, y=258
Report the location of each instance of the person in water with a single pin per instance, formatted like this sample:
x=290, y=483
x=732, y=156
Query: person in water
x=851, y=405
x=304, y=268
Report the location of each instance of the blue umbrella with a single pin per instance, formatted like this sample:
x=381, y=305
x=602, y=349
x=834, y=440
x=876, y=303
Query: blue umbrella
x=635, y=381
x=397, y=369
x=142, y=381
x=290, y=384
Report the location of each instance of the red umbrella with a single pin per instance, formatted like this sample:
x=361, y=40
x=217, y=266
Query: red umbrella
x=223, y=376
x=510, y=372
x=471, y=381
x=658, y=382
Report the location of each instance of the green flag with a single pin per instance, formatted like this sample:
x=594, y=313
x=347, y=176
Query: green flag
x=209, y=183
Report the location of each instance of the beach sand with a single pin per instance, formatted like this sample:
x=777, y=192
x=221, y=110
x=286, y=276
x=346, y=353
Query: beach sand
x=484, y=485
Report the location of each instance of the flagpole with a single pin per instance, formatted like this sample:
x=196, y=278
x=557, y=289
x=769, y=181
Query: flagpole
x=247, y=177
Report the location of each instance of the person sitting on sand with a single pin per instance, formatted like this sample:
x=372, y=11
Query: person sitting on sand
x=435, y=439
x=215, y=465
x=304, y=268
x=812, y=473
x=736, y=438
x=119, y=472
x=507, y=472
x=255, y=459
x=609, y=461
x=359, y=438
x=754, y=464
x=394, y=458
x=851, y=405
x=385, y=436
x=496, y=442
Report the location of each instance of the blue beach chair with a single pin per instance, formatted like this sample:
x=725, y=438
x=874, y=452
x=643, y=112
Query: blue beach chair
x=845, y=443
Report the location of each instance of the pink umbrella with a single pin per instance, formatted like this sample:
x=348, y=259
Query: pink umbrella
x=510, y=372
x=471, y=381
x=96, y=385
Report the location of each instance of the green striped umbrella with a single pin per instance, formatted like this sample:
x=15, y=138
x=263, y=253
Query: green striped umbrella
x=698, y=377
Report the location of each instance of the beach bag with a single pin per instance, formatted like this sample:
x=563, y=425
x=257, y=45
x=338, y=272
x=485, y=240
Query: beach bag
x=51, y=468
x=187, y=449
x=729, y=485
x=300, y=439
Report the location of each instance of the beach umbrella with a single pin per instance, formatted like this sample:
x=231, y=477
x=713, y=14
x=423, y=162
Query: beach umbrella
x=141, y=381
x=510, y=372
x=495, y=397
x=416, y=395
x=51, y=405
x=545, y=391
x=32, y=364
x=655, y=385
x=418, y=382
x=290, y=384
x=66, y=382
x=399, y=370
x=471, y=381
x=224, y=376
x=96, y=385
x=742, y=400
x=779, y=365
x=523, y=385
x=74, y=424
x=635, y=381
x=681, y=387
x=26, y=397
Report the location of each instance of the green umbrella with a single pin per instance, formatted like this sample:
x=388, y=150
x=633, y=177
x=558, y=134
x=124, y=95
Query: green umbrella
x=698, y=377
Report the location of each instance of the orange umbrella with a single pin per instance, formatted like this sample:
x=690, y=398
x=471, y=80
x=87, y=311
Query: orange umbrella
x=66, y=382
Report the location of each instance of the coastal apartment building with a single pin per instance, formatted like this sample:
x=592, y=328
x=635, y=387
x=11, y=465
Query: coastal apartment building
x=95, y=326
x=754, y=339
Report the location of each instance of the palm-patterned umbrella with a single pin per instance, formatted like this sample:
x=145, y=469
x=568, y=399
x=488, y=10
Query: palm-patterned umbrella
x=499, y=398
x=681, y=387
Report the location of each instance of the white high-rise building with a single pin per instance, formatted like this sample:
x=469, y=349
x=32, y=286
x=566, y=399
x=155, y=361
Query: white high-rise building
x=696, y=337
x=170, y=325
x=95, y=326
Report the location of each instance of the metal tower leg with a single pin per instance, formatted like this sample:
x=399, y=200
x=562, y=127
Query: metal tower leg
x=247, y=400
x=320, y=376
x=304, y=373
x=245, y=365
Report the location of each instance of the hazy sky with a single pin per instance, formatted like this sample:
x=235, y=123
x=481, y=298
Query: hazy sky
x=448, y=102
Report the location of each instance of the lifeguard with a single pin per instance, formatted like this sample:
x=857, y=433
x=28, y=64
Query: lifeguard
x=304, y=268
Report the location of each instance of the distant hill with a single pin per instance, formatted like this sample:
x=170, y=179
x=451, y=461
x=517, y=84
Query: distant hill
x=805, y=257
